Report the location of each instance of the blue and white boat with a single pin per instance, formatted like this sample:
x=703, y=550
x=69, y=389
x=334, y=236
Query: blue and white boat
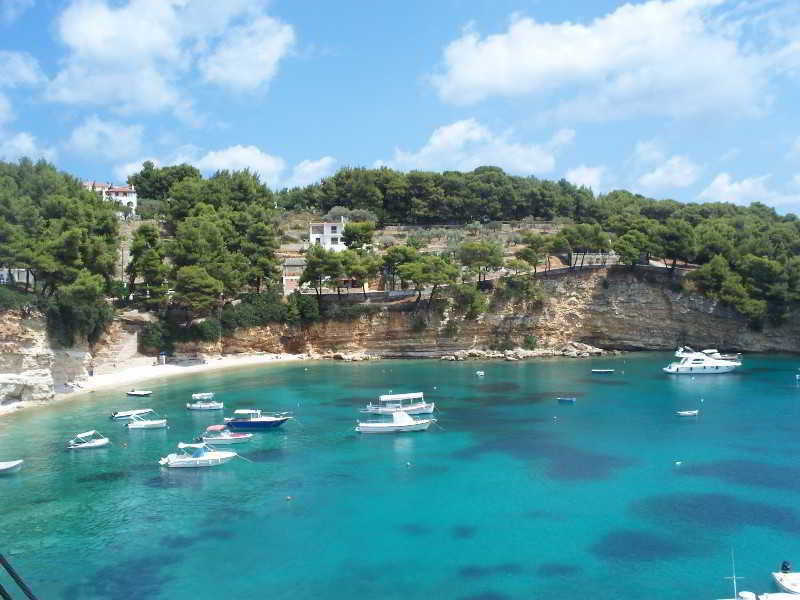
x=252, y=419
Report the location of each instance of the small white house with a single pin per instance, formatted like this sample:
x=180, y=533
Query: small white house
x=124, y=194
x=327, y=235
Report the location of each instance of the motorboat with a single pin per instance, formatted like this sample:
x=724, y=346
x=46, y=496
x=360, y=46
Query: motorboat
x=253, y=419
x=123, y=415
x=567, y=400
x=400, y=422
x=411, y=404
x=602, y=371
x=140, y=422
x=699, y=363
x=139, y=392
x=88, y=439
x=204, y=401
x=480, y=373
x=787, y=580
x=766, y=596
x=196, y=455
x=687, y=413
x=11, y=466
x=220, y=434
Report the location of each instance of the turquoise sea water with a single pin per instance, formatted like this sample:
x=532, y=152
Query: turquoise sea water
x=514, y=496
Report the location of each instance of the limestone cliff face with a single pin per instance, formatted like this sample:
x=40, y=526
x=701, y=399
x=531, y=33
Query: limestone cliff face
x=612, y=309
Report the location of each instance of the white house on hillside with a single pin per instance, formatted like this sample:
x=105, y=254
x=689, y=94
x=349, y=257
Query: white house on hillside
x=327, y=235
x=124, y=194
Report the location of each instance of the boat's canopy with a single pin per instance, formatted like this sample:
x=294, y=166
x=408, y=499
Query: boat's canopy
x=399, y=397
x=401, y=418
x=215, y=428
x=203, y=396
x=86, y=434
x=183, y=445
x=247, y=411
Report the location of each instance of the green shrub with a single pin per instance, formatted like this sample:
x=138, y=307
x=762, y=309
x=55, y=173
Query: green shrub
x=154, y=336
x=209, y=330
x=11, y=299
x=349, y=312
x=469, y=300
x=302, y=308
x=529, y=342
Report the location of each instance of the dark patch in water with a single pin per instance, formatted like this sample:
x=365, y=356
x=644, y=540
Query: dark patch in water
x=487, y=595
x=415, y=529
x=557, y=570
x=265, y=455
x=463, y=532
x=716, y=511
x=110, y=476
x=746, y=472
x=499, y=387
x=638, y=546
x=601, y=381
x=567, y=463
x=176, y=542
x=142, y=577
x=220, y=534
x=339, y=479
x=478, y=571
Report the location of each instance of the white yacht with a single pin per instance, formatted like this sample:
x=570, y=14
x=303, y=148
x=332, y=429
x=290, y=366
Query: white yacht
x=400, y=422
x=412, y=404
x=685, y=351
x=204, y=401
x=699, y=363
x=196, y=455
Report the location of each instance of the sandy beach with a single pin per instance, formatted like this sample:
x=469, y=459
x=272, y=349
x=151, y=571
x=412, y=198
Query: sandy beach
x=138, y=376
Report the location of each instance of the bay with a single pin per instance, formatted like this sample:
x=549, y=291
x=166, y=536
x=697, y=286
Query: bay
x=511, y=495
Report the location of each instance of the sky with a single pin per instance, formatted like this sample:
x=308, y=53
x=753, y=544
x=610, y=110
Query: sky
x=695, y=100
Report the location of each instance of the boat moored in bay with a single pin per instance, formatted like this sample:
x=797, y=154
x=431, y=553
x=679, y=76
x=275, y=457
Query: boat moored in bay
x=400, y=422
x=699, y=363
x=196, y=455
x=88, y=439
x=10, y=466
x=253, y=419
x=219, y=435
x=412, y=404
x=204, y=401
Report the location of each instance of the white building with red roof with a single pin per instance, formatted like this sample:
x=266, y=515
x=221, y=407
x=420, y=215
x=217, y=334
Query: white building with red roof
x=124, y=194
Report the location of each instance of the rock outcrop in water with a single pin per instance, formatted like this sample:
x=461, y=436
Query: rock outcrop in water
x=585, y=311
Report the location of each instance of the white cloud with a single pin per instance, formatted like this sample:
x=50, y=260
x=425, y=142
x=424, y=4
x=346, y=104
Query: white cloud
x=648, y=151
x=139, y=55
x=122, y=171
x=465, y=145
x=13, y=147
x=10, y=10
x=310, y=171
x=750, y=189
x=107, y=138
x=675, y=172
x=244, y=157
x=730, y=154
x=249, y=56
x=19, y=68
x=658, y=57
x=591, y=177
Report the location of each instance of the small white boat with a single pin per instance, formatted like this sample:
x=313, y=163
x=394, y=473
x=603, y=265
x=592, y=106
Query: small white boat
x=139, y=392
x=139, y=422
x=787, y=580
x=687, y=413
x=603, y=371
x=11, y=466
x=766, y=596
x=196, y=455
x=699, y=363
x=567, y=400
x=219, y=434
x=88, y=439
x=480, y=373
x=411, y=404
x=122, y=415
x=204, y=401
x=400, y=422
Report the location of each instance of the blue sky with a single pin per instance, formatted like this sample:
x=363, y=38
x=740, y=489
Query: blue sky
x=688, y=99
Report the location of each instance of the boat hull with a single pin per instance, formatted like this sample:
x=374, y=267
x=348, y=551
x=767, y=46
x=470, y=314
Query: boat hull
x=391, y=427
x=788, y=582
x=689, y=370
x=212, y=459
x=138, y=394
x=255, y=424
x=424, y=408
x=89, y=445
x=152, y=424
x=205, y=406
x=124, y=415
x=12, y=466
x=237, y=439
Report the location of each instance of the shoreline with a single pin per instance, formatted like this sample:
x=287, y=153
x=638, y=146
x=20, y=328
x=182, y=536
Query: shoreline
x=145, y=373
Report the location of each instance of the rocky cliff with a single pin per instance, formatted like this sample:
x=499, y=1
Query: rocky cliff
x=611, y=309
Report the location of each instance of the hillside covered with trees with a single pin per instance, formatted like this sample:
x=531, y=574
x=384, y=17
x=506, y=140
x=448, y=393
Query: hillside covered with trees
x=206, y=262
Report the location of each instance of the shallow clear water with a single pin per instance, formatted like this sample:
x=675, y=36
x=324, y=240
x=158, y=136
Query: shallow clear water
x=514, y=496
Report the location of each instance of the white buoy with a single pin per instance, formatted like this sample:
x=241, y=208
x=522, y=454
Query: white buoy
x=678, y=463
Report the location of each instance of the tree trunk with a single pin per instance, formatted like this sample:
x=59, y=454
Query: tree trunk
x=364, y=289
x=583, y=256
x=674, y=263
x=433, y=292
